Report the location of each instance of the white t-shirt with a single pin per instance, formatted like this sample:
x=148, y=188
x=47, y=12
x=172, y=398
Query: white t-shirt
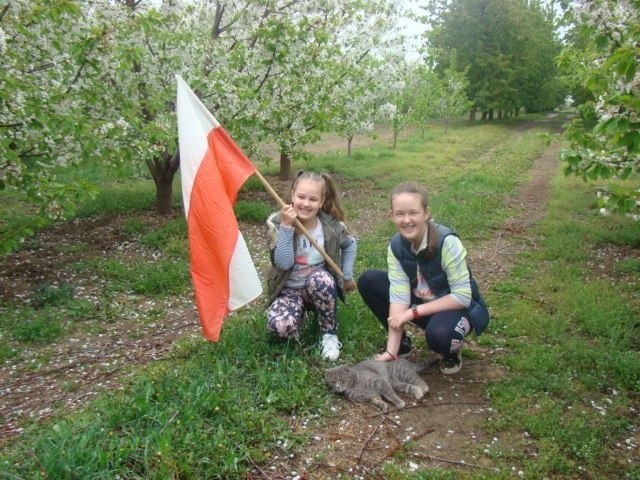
x=308, y=259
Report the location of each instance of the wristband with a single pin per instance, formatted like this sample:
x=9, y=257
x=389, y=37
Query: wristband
x=414, y=309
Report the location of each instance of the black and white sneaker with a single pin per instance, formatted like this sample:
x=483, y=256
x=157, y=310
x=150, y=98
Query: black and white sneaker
x=451, y=364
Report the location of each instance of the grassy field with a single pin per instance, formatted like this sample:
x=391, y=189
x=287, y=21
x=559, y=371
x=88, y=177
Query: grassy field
x=568, y=331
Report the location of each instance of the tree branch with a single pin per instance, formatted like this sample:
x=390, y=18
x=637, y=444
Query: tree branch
x=152, y=169
x=290, y=4
x=4, y=12
x=217, y=30
x=446, y=460
x=44, y=66
x=76, y=77
x=146, y=42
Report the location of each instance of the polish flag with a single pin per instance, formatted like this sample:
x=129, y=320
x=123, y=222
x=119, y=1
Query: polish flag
x=213, y=170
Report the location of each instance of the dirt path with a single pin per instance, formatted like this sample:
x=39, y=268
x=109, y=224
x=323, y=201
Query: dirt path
x=64, y=375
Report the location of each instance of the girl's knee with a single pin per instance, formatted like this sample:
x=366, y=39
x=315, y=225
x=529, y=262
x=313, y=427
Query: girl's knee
x=283, y=318
x=281, y=328
x=370, y=278
x=322, y=282
x=322, y=277
x=373, y=286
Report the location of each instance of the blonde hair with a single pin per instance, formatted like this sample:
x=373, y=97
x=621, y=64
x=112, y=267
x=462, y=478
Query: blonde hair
x=417, y=189
x=330, y=197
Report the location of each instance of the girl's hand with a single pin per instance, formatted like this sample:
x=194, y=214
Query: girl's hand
x=287, y=216
x=399, y=319
x=349, y=285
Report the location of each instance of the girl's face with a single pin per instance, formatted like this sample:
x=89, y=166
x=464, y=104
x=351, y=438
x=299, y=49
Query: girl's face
x=307, y=200
x=409, y=216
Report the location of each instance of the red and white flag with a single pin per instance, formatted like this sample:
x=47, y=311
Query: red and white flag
x=213, y=169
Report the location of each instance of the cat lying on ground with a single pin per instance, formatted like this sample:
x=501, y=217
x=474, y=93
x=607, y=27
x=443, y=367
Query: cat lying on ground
x=371, y=381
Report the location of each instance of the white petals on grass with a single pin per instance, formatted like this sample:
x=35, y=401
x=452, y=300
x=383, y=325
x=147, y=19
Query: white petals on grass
x=97, y=353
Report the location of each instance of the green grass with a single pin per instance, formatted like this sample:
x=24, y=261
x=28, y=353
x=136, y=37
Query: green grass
x=569, y=338
x=48, y=318
x=204, y=414
x=159, y=277
x=573, y=344
x=252, y=211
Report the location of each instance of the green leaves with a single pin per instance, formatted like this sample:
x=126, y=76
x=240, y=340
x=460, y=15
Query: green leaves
x=508, y=48
x=605, y=141
x=624, y=62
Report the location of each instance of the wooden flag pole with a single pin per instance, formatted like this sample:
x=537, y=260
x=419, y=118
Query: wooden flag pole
x=299, y=225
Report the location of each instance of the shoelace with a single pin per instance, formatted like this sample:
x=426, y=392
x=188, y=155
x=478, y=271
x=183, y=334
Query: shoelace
x=331, y=342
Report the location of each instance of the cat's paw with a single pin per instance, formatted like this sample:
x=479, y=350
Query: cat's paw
x=381, y=404
x=400, y=404
x=419, y=392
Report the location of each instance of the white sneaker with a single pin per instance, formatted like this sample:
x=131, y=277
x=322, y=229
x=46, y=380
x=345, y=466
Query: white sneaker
x=330, y=347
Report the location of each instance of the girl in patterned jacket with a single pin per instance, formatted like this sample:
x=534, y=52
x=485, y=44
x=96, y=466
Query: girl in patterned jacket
x=299, y=278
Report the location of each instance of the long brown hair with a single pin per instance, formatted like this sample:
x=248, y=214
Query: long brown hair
x=330, y=197
x=417, y=189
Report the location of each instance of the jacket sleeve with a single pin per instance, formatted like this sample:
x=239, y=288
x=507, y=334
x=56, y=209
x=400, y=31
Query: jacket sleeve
x=455, y=267
x=283, y=255
x=280, y=245
x=399, y=282
x=348, y=256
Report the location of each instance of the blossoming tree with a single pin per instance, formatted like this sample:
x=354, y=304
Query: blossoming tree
x=605, y=138
x=47, y=49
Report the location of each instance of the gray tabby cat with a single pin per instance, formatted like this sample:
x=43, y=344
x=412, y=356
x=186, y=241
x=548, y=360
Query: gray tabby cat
x=371, y=381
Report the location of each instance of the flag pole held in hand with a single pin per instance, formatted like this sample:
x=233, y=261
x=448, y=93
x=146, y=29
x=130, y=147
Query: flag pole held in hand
x=213, y=169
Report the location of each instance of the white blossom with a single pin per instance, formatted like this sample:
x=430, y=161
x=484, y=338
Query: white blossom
x=3, y=41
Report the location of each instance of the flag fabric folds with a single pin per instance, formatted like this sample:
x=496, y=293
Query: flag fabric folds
x=213, y=169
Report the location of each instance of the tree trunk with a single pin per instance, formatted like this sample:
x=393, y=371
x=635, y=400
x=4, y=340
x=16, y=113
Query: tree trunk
x=484, y=115
x=163, y=169
x=164, y=191
x=285, y=164
x=472, y=114
x=349, y=141
x=395, y=138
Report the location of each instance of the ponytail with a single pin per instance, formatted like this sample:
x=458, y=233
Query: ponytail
x=331, y=203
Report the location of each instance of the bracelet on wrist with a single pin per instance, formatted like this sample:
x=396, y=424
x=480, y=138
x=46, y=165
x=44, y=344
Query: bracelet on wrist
x=414, y=309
